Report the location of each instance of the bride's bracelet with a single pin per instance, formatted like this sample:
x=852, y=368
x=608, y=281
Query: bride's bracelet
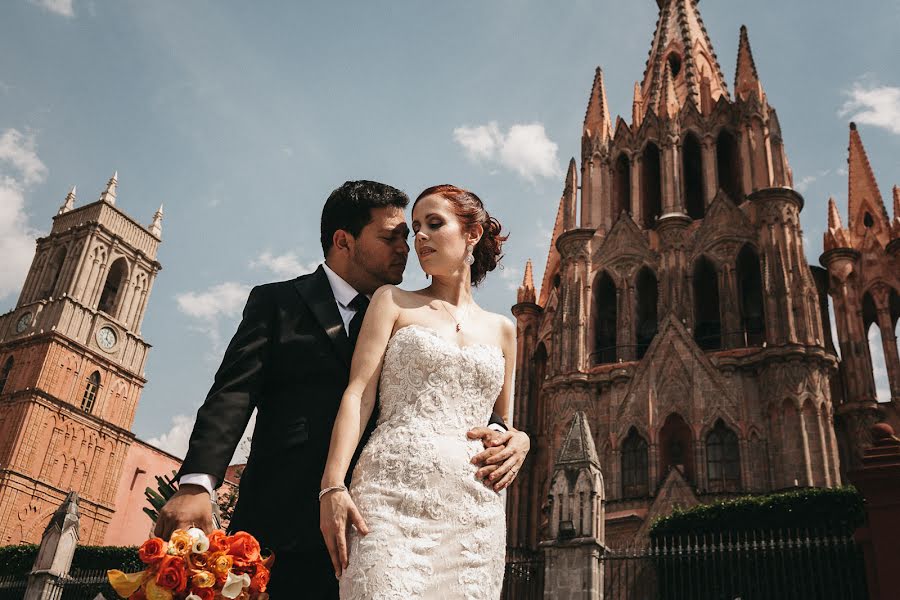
x=334, y=488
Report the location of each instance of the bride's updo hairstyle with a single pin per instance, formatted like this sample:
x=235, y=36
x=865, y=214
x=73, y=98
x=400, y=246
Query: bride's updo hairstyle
x=470, y=211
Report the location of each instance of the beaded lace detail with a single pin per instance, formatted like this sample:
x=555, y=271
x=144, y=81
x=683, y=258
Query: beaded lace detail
x=435, y=531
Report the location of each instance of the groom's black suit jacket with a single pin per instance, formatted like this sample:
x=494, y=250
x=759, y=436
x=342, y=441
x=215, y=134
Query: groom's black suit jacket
x=289, y=359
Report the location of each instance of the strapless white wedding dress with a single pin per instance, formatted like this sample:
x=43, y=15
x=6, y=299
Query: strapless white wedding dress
x=435, y=532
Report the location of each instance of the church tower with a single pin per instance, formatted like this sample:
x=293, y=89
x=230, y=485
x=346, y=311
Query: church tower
x=863, y=263
x=677, y=310
x=72, y=366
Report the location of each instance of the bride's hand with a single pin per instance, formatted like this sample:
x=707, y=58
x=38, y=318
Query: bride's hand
x=335, y=510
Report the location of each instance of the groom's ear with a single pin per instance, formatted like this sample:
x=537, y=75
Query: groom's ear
x=342, y=241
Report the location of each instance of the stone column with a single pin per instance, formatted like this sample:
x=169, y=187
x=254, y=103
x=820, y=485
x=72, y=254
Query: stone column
x=710, y=180
x=54, y=557
x=572, y=556
x=878, y=479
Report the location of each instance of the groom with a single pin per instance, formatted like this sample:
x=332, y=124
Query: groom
x=290, y=360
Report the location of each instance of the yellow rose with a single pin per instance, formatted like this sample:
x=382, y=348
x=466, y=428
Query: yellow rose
x=219, y=563
x=126, y=584
x=203, y=579
x=180, y=543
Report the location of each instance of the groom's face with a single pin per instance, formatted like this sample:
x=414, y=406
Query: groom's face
x=381, y=250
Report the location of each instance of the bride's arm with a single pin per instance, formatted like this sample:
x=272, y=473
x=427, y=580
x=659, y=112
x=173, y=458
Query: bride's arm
x=508, y=345
x=356, y=408
x=358, y=400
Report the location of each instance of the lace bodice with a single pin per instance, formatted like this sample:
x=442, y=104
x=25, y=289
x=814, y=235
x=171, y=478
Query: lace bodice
x=435, y=531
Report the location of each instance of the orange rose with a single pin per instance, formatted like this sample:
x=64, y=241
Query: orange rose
x=217, y=541
x=244, y=548
x=171, y=574
x=219, y=563
x=180, y=542
x=152, y=551
x=260, y=580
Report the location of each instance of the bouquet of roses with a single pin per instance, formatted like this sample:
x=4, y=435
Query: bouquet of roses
x=194, y=566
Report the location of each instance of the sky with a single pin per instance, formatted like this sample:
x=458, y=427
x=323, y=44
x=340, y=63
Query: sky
x=240, y=118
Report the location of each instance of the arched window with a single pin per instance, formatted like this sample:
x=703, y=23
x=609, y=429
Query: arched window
x=749, y=281
x=707, y=322
x=539, y=362
x=676, y=446
x=634, y=465
x=647, y=291
x=692, y=167
x=53, y=271
x=621, y=186
x=4, y=374
x=723, y=459
x=604, y=319
x=114, y=286
x=876, y=348
x=651, y=186
x=90, y=392
x=728, y=166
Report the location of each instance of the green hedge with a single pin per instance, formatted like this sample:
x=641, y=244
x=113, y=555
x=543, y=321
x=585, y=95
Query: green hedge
x=833, y=511
x=18, y=560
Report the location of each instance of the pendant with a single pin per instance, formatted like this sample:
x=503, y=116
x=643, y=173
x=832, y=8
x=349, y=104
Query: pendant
x=457, y=327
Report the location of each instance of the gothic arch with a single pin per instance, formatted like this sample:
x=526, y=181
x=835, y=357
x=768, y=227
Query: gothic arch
x=54, y=269
x=621, y=188
x=114, y=287
x=635, y=465
x=676, y=446
x=692, y=176
x=750, y=295
x=707, y=311
x=647, y=318
x=812, y=421
x=723, y=459
x=728, y=165
x=91, y=391
x=651, y=185
x=4, y=373
x=605, y=319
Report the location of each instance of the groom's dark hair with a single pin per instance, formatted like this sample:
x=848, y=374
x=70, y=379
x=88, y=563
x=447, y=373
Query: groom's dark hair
x=349, y=207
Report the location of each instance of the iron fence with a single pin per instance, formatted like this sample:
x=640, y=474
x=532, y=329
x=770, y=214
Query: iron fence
x=12, y=587
x=757, y=565
x=79, y=585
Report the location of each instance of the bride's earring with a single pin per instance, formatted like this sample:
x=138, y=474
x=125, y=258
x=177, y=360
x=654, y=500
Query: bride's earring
x=469, y=259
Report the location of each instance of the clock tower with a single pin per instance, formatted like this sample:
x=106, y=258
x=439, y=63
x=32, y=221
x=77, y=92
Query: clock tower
x=72, y=367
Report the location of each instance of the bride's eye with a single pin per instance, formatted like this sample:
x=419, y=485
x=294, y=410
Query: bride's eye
x=435, y=224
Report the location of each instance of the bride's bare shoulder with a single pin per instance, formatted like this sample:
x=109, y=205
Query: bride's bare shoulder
x=397, y=297
x=505, y=329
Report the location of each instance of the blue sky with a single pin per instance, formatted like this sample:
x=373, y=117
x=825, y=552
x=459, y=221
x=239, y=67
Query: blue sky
x=241, y=117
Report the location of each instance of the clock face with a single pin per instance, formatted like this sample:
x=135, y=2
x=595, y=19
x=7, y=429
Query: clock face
x=23, y=322
x=106, y=337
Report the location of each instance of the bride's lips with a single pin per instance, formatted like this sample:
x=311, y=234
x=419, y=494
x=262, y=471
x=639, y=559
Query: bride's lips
x=425, y=251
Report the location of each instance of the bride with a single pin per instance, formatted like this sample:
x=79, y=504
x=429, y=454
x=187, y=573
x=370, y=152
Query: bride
x=424, y=525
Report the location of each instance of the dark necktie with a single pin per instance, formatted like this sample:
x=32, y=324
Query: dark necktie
x=360, y=304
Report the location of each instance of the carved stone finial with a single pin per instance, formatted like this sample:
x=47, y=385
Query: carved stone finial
x=109, y=194
x=69, y=202
x=156, y=225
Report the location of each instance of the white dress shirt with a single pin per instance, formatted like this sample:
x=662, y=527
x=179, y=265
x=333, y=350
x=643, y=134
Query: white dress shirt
x=343, y=295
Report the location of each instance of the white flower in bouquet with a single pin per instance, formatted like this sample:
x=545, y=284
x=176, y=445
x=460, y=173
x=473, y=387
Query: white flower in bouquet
x=200, y=543
x=235, y=584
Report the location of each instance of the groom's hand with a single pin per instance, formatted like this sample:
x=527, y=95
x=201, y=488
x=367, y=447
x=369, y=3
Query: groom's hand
x=502, y=457
x=188, y=507
x=335, y=510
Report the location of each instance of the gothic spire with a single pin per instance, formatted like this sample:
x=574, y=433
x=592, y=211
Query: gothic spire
x=865, y=204
x=109, y=194
x=836, y=235
x=681, y=41
x=526, y=290
x=570, y=197
x=578, y=447
x=596, y=118
x=746, y=78
x=895, y=224
x=668, y=101
x=69, y=202
x=637, y=107
x=156, y=225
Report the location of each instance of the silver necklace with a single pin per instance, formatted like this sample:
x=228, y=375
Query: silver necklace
x=458, y=322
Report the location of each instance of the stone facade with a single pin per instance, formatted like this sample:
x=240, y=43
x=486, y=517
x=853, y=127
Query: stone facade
x=72, y=368
x=678, y=312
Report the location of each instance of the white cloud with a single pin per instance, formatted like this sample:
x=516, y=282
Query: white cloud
x=225, y=299
x=879, y=366
x=175, y=440
x=512, y=276
x=285, y=265
x=873, y=104
x=20, y=168
x=62, y=8
x=808, y=180
x=525, y=149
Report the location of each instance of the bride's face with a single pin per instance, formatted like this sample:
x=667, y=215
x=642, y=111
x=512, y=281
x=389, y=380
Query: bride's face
x=441, y=241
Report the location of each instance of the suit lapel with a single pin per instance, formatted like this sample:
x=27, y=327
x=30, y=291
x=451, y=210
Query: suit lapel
x=316, y=292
